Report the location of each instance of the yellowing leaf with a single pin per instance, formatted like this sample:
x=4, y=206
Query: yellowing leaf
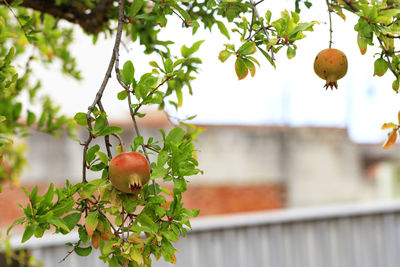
x=250, y=66
x=392, y=136
x=91, y=222
x=389, y=125
x=135, y=238
x=241, y=68
x=395, y=86
x=224, y=55
x=96, y=240
x=173, y=259
x=136, y=255
x=398, y=117
x=362, y=44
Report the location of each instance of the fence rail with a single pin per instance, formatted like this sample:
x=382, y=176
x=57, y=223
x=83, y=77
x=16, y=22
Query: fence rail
x=365, y=235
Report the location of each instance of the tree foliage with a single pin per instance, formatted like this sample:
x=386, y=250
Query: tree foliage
x=129, y=229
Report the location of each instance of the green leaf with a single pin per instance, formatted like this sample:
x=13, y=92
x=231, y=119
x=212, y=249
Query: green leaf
x=29, y=229
x=192, y=213
x=247, y=48
x=98, y=167
x=71, y=220
x=168, y=249
x=186, y=52
x=162, y=158
x=268, y=16
x=380, y=67
x=113, y=262
x=122, y=95
x=80, y=118
x=2, y=118
x=103, y=157
x=308, y=26
x=222, y=29
x=64, y=207
x=135, y=7
x=90, y=154
x=110, y=130
x=31, y=118
x=158, y=172
x=138, y=141
x=291, y=52
x=100, y=124
x=184, y=14
x=83, y=236
x=16, y=222
x=267, y=56
x=224, y=55
x=180, y=185
x=56, y=221
x=48, y=197
x=170, y=235
x=127, y=73
x=83, y=251
x=175, y=135
x=168, y=65
x=240, y=68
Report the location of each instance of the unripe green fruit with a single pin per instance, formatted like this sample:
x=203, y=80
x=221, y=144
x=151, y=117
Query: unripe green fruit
x=330, y=64
x=129, y=171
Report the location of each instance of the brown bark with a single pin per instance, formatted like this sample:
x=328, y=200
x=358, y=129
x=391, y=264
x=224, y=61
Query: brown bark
x=91, y=22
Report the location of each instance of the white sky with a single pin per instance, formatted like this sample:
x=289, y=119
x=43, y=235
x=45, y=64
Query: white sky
x=292, y=94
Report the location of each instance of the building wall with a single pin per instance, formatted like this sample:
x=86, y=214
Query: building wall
x=316, y=165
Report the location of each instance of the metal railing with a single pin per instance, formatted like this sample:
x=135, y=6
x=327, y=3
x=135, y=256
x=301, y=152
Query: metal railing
x=365, y=235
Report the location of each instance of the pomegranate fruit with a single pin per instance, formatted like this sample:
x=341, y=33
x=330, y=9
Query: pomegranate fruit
x=129, y=171
x=330, y=64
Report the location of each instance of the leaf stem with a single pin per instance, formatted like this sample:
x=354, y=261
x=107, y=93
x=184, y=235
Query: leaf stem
x=330, y=23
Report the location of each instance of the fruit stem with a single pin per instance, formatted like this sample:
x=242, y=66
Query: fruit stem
x=330, y=23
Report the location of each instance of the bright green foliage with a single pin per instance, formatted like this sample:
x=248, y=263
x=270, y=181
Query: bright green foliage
x=128, y=229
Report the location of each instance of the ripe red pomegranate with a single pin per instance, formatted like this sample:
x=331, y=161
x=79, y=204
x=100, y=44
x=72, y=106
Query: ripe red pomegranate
x=129, y=171
x=330, y=64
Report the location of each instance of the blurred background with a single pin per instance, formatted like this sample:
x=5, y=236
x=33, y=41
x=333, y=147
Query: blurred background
x=294, y=175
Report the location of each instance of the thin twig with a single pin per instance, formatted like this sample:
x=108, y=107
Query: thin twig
x=388, y=58
x=253, y=4
x=135, y=111
x=121, y=142
x=251, y=26
x=17, y=18
x=103, y=85
x=330, y=23
x=351, y=6
x=183, y=20
x=131, y=111
x=107, y=137
x=66, y=256
x=84, y=165
x=111, y=64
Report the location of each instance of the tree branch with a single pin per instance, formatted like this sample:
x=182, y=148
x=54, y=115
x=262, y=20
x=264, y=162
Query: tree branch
x=387, y=57
x=351, y=6
x=255, y=11
x=92, y=22
x=103, y=85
